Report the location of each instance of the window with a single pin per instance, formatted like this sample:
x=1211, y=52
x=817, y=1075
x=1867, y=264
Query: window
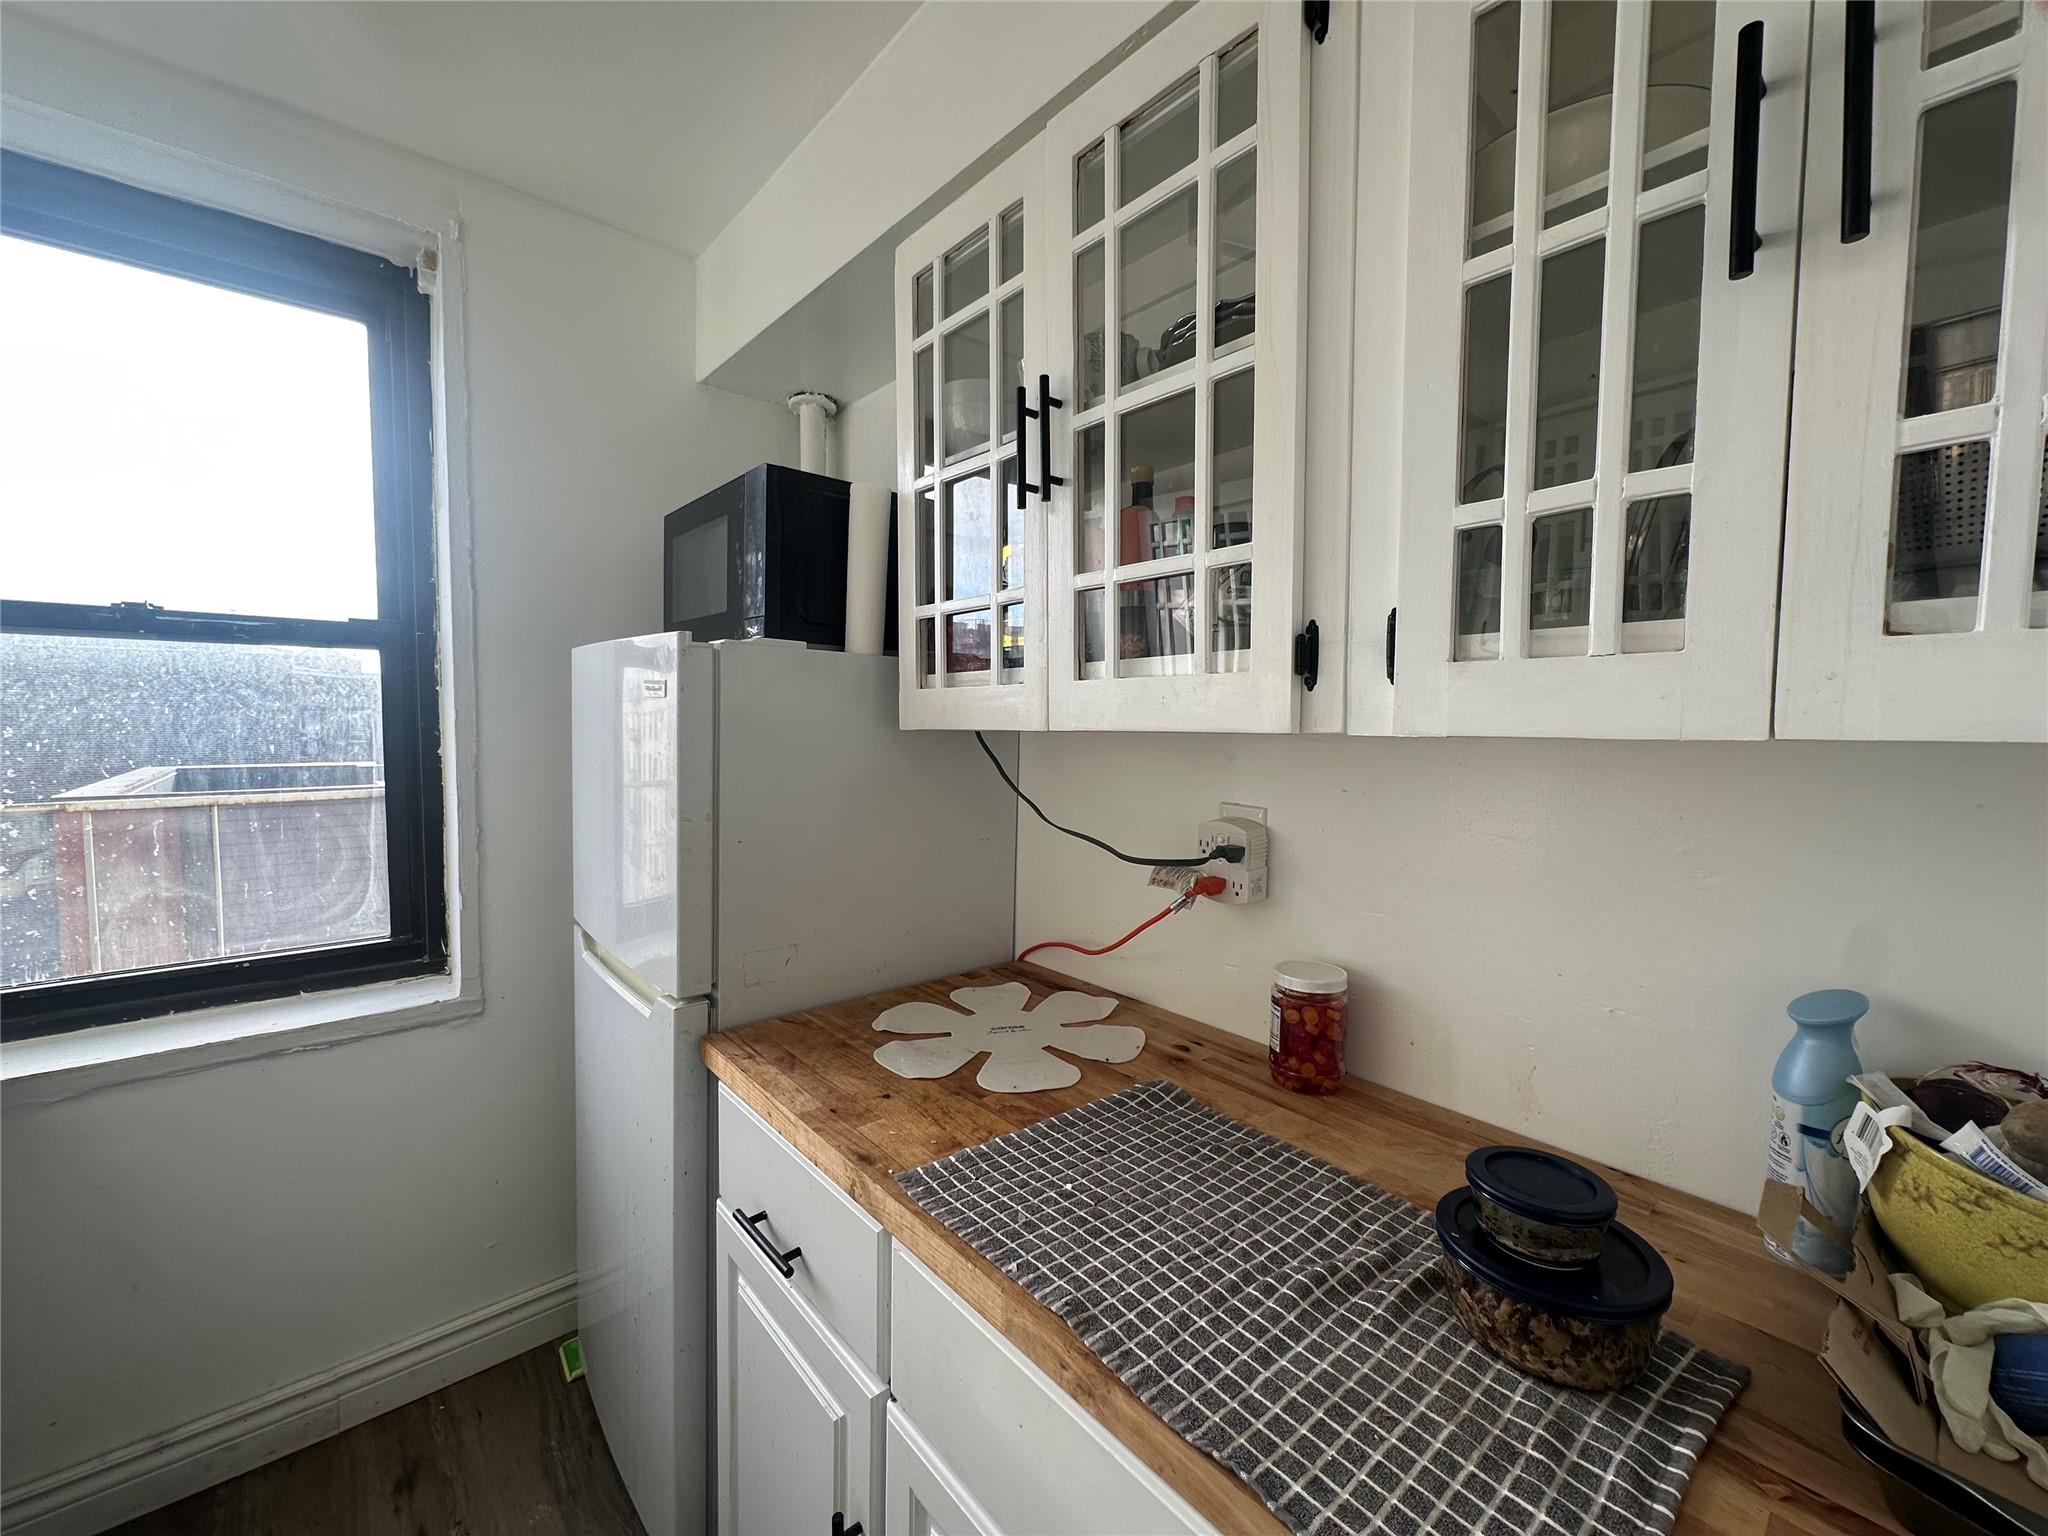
x=220, y=770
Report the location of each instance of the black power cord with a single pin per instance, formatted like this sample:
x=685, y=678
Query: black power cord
x=1230, y=855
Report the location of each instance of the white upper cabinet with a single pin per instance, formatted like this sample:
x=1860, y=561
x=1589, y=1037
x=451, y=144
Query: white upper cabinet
x=1916, y=551
x=1176, y=260
x=1604, y=215
x=970, y=311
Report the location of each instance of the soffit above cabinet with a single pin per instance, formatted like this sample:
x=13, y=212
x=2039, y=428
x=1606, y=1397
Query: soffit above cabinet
x=795, y=291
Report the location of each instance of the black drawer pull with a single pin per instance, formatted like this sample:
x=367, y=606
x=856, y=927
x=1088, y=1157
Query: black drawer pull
x=841, y=1528
x=1859, y=84
x=1743, y=239
x=1046, y=406
x=785, y=1263
x=1022, y=474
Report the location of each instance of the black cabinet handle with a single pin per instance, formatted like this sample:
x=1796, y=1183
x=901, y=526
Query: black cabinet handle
x=1743, y=239
x=1859, y=88
x=785, y=1263
x=1022, y=475
x=841, y=1528
x=1046, y=406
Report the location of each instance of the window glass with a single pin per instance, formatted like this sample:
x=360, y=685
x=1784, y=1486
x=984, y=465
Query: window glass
x=1013, y=243
x=1568, y=364
x=173, y=801
x=1483, y=430
x=1156, y=277
x=1088, y=186
x=966, y=403
x=1478, y=590
x=1680, y=90
x=1664, y=387
x=1653, y=571
x=966, y=273
x=1157, y=142
x=165, y=441
x=1957, y=27
x=1575, y=133
x=1237, y=248
x=970, y=526
x=1496, y=56
x=1560, y=581
x=1959, y=250
x=1230, y=472
x=1230, y=618
x=1237, y=89
x=1938, y=539
x=1155, y=626
x=1157, y=483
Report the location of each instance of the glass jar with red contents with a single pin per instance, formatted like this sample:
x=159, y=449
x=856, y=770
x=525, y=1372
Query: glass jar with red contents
x=1310, y=1000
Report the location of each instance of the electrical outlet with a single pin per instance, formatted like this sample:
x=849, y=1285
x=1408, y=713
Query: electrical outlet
x=1245, y=826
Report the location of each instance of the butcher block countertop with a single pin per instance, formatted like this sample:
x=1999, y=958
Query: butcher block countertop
x=1777, y=1464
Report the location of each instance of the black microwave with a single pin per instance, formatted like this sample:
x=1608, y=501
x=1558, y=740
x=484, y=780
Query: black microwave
x=765, y=554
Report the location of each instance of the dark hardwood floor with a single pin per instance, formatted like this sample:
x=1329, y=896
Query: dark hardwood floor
x=514, y=1449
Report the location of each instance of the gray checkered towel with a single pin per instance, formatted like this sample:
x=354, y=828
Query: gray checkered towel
x=1293, y=1322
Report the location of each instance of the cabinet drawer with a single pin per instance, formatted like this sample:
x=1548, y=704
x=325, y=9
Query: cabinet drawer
x=922, y=1497
x=1031, y=1457
x=843, y=1273
x=798, y=1418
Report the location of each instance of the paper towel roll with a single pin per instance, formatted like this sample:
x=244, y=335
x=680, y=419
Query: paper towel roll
x=867, y=567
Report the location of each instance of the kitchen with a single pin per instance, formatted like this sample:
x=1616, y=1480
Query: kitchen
x=1573, y=875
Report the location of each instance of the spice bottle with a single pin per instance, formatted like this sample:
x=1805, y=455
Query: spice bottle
x=1306, y=1049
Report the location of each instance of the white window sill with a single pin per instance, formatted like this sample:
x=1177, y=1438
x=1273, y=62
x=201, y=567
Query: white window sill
x=55, y=1067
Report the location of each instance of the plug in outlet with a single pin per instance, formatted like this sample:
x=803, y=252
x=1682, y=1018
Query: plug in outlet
x=1244, y=826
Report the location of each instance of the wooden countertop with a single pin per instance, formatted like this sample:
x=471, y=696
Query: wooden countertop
x=1776, y=1466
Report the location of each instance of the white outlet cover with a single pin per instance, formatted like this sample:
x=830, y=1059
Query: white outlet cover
x=1018, y=1039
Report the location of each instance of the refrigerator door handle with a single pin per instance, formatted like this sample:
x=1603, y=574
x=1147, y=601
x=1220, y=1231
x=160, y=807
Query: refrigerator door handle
x=610, y=978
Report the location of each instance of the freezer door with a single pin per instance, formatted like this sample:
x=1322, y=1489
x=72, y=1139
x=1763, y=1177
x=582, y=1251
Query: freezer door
x=642, y=765
x=642, y=1215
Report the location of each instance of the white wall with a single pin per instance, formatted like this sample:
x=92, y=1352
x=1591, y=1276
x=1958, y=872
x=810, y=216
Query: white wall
x=185, y=1244
x=1587, y=942
x=864, y=444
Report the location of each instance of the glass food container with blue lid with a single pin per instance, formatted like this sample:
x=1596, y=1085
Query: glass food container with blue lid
x=1592, y=1327
x=1539, y=1206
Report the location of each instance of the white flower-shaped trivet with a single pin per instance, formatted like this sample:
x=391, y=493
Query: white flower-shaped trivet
x=1015, y=1036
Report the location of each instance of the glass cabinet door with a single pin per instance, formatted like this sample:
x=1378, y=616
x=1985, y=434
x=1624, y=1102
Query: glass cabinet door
x=971, y=593
x=1175, y=253
x=1597, y=366
x=1916, y=552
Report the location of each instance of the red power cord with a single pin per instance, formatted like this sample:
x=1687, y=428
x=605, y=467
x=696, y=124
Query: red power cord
x=1208, y=885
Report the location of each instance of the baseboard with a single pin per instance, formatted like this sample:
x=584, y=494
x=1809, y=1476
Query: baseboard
x=93, y=1495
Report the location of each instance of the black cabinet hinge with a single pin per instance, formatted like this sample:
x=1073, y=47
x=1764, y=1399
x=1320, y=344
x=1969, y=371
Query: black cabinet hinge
x=1308, y=652
x=1315, y=15
x=1390, y=642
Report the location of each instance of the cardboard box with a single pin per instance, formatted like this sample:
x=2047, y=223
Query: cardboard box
x=1878, y=1360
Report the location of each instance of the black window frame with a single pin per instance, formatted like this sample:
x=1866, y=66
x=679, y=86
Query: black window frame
x=77, y=211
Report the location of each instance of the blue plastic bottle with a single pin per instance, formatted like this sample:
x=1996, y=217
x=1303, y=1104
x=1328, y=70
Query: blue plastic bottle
x=1811, y=1101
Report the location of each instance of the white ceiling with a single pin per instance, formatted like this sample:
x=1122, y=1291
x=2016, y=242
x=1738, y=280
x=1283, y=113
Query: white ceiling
x=660, y=117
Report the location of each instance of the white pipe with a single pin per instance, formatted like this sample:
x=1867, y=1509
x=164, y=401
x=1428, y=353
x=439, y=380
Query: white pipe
x=814, y=413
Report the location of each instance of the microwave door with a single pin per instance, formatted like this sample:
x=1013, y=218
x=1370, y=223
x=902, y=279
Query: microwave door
x=704, y=578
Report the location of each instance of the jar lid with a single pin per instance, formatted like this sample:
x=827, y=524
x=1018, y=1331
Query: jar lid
x=1541, y=1186
x=1628, y=1283
x=1313, y=976
x=1831, y=1005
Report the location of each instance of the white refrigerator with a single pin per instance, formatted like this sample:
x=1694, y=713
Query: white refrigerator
x=753, y=836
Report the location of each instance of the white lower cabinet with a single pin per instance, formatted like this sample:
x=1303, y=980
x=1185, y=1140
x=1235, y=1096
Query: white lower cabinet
x=978, y=1441
x=924, y=1497
x=1020, y=1448
x=799, y=1418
